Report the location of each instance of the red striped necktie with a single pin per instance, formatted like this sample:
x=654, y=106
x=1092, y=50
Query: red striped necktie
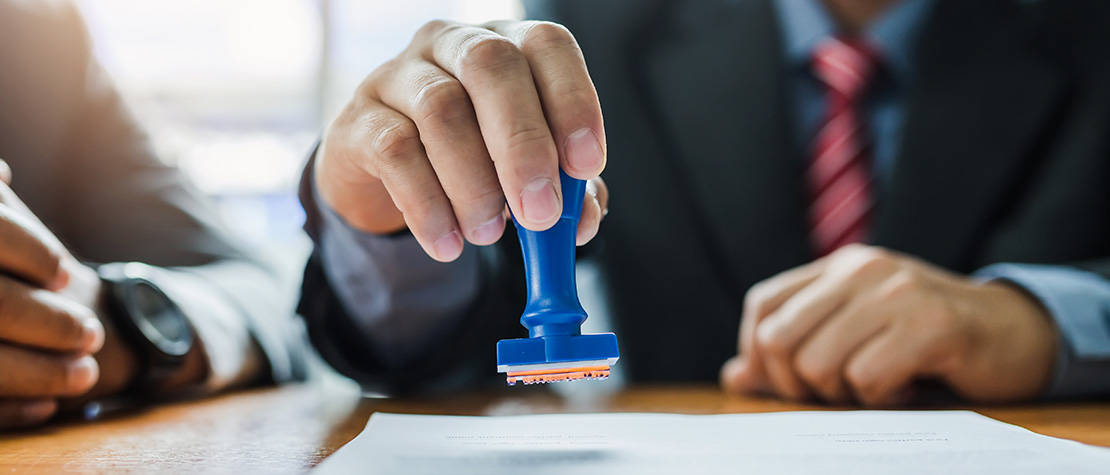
x=839, y=174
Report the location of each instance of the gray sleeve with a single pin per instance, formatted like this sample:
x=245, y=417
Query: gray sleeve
x=107, y=196
x=398, y=297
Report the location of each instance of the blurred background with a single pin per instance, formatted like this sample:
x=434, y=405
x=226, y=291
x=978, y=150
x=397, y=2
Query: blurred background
x=235, y=92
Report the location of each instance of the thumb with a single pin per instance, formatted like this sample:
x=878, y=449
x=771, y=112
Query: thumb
x=744, y=375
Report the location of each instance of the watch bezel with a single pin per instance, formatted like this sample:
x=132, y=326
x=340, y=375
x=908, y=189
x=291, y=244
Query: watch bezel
x=126, y=297
x=160, y=357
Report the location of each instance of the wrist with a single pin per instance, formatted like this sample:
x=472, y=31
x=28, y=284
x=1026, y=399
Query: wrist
x=156, y=341
x=1019, y=347
x=119, y=363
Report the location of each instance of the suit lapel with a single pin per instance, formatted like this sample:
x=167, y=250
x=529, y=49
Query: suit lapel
x=718, y=91
x=970, y=125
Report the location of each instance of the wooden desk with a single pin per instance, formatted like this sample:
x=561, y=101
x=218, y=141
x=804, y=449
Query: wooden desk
x=289, y=430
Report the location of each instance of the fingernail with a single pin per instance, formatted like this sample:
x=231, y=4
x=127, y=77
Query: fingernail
x=448, y=247
x=39, y=410
x=488, y=232
x=94, y=334
x=540, y=203
x=583, y=150
x=82, y=375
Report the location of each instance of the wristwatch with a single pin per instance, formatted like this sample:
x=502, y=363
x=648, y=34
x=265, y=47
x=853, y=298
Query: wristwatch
x=149, y=322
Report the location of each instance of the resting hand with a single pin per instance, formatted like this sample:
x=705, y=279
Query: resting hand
x=864, y=323
x=49, y=332
x=464, y=121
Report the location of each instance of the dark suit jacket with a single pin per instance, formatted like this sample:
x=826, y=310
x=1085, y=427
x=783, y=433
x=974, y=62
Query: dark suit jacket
x=84, y=167
x=1005, y=157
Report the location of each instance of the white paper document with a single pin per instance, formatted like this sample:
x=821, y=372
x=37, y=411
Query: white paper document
x=826, y=443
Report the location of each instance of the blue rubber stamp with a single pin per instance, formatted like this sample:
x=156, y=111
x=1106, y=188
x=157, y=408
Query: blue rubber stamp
x=555, y=350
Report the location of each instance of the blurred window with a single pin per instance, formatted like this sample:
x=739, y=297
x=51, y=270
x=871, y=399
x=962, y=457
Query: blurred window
x=236, y=91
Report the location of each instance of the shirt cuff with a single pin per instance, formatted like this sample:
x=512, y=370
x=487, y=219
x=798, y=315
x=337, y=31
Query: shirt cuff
x=402, y=299
x=232, y=355
x=1079, y=304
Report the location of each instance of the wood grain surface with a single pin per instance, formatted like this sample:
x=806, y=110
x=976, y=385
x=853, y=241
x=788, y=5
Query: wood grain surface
x=290, y=429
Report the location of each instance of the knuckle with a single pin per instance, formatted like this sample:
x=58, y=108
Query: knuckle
x=529, y=137
x=877, y=253
x=432, y=28
x=442, y=101
x=902, y=285
x=490, y=54
x=862, y=381
x=772, y=343
x=869, y=261
x=396, y=143
x=367, y=90
x=849, y=250
x=578, y=97
x=545, y=34
x=757, y=298
x=485, y=192
x=813, y=371
x=480, y=194
x=939, y=317
x=423, y=206
x=17, y=231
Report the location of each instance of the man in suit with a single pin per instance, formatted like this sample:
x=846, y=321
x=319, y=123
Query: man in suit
x=115, y=279
x=819, y=199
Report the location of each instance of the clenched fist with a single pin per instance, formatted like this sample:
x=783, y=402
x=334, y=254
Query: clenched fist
x=47, y=336
x=864, y=323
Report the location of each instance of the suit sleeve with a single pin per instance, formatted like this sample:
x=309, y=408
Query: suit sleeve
x=454, y=347
x=399, y=298
x=121, y=204
x=1078, y=300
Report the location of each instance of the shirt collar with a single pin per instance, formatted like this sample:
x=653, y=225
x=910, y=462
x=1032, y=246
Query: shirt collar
x=804, y=24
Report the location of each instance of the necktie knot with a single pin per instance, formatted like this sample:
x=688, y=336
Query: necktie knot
x=846, y=65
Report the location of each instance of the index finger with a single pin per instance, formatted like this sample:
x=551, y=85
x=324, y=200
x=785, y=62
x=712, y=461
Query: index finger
x=43, y=319
x=566, y=91
x=498, y=79
x=748, y=372
x=29, y=252
x=767, y=296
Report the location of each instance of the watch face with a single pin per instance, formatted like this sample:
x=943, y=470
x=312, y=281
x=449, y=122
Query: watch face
x=166, y=326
